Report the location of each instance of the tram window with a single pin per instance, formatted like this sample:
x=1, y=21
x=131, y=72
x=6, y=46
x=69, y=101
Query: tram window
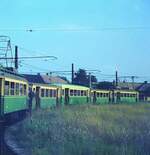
x=6, y=88
x=101, y=94
x=25, y=89
x=12, y=86
x=54, y=93
x=42, y=92
x=21, y=89
x=71, y=92
x=62, y=92
x=75, y=92
x=85, y=93
x=51, y=93
x=78, y=92
x=98, y=94
x=46, y=92
x=107, y=95
x=17, y=89
x=82, y=93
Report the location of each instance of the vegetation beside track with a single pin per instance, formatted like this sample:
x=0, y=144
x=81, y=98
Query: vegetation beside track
x=87, y=130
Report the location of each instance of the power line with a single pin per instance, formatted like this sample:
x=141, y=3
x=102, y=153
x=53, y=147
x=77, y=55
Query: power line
x=39, y=69
x=80, y=29
x=32, y=57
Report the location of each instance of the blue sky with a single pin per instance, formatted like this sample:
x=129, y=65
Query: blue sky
x=126, y=50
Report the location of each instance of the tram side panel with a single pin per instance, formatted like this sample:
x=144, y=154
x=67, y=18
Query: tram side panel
x=48, y=97
x=78, y=96
x=1, y=99
x=15, y=95
x=73, y=94
x=100, y=96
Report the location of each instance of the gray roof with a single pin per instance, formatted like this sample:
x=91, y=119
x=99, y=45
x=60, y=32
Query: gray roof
x=44, y=79
x=12, y=75
x=128, y=85
x=144, y=87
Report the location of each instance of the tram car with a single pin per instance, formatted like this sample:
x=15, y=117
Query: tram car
x=73, y=94
x=100, y=96
x=13, y=93
x=45, y=95
x=125, y=96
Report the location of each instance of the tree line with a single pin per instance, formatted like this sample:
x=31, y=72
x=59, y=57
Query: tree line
x=82, y=78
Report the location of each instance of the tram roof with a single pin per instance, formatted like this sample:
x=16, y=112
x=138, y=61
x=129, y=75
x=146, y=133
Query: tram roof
x=70, y=86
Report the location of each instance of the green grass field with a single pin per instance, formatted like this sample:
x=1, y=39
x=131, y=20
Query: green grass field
x=88, y=130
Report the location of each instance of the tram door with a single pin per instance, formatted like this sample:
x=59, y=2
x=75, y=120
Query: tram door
x=37, y=97
x=94, y=97
x=118, y=96
x=1, y=100
x=67, y=96
x=113, y=96
x=57, y=97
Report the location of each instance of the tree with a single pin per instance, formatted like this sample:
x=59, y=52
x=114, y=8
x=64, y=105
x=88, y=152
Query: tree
x=82, y=78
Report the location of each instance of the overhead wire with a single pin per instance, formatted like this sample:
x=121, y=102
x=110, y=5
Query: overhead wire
x=77, y=29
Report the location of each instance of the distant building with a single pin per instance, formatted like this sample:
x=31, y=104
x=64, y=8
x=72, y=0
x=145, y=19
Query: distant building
x=45, y=79
x=144, y=91
x=128, y=85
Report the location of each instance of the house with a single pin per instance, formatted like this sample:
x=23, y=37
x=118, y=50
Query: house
x=44, y=79
x=144, y=91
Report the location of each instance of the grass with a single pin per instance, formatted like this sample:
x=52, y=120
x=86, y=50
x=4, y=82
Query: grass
x=120, y=129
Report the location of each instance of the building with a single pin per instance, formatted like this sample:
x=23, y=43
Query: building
x=144, y=91
x=44, y=79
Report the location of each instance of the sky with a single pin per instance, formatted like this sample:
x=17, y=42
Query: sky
x=92, y=34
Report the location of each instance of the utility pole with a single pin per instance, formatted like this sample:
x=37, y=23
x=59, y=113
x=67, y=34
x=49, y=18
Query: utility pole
x=72, y=73
x=90, y=82
x=116, y=78
x=16, y=57
x=133, y=77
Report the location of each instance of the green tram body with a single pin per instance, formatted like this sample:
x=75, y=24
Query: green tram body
x=73, y=94
x=100, y=96
x=125, y=96
x=13, y=93
x=59, y=94
x=46, y=96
